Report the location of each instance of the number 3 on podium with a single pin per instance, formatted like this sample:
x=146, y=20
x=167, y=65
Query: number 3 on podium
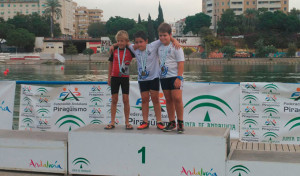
x=143, y=151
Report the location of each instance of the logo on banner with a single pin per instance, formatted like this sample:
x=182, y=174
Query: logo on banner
x=250, y=133
x=271, y=98
x=271, y=89
x=43, y=124
x=270, y=122
x=43, y=112
x=96, y=91
x=81, y=163
x=70, y=95
x=251, y=99
x=96, y=102
x=161, y=100
x=295, y=121
x=27, y=90
x=272, y=111
x=270, y=137
x=96, y=113
x=108, y=91
x=27, y=100
x=4, y=107
x=250, y=122
x=250, y=88
x=296, y=95
x=27, y=124
x=96, y=121
x=46, y=164
x=42, y=91
x=250, y=109
x=240, y=170
x=195, y=171
x=43, y=100
x=70, y=120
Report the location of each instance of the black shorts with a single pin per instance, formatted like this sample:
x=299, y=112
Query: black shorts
x=149, y=85
x=116, y=82
x=168, y=83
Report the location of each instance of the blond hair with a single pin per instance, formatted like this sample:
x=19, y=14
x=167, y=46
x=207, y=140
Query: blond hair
x=122, y=35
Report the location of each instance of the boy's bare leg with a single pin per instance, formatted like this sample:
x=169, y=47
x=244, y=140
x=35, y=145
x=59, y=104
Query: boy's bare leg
x=145, y=105
x=126, y=108
x=156, y=104
x=170, y=105
x=113, y=108
x=177, y=100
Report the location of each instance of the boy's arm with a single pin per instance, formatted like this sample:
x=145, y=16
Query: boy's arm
x=112, y=48
x=175, y=42
x=178, y=81
x=109, y=73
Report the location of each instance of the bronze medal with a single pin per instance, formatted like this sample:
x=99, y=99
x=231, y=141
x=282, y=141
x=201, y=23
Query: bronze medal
x=143, y=73
x=162, y=69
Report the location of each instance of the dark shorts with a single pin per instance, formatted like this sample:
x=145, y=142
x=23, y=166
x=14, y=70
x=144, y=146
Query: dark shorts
x=168, y=83
x=116, y=82
x=149, y=85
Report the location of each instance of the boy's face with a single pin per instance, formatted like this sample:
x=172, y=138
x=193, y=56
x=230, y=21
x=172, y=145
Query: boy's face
x=141, y=43
x=165, y=37
x=122, y=43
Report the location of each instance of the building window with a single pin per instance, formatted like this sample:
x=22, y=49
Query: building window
x=21, y=5
x=14, y=5
x=223, y=3
x=222, y=10
x=2, y=5
x=284, y=2
x=247, y=2
x=253, y=2
x=8, y=5
x=285, y=9
x=33, y=5
x=27, y=5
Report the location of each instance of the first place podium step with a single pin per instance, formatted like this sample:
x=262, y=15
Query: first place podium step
x=96, y=151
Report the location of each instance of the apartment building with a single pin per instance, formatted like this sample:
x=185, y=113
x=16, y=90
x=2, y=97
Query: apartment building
x=10, y=8
x=83, y=18
x=215, y=8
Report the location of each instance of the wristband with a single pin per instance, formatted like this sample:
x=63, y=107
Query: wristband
x=180, y=77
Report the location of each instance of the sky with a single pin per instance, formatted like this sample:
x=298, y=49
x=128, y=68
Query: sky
x=173, y=10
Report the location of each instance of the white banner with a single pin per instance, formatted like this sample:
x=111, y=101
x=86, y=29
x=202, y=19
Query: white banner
x=7, y=96
x=270, y=112
x=69, y=107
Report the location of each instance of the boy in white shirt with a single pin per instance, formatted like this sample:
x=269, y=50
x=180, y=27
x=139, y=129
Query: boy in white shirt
x=171, y=72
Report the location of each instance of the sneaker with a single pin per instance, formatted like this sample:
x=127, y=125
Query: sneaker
x=170, y=127
x=160, y=125
x=144, y=125
x=180, y=128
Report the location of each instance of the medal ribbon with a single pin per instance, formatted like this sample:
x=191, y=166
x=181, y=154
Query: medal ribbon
x=144, y=59
x=164, y=56
x=120, y=68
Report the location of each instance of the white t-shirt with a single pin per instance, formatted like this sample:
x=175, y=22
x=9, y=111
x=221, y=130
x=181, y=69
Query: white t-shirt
x=173, y=56
x=147, y=64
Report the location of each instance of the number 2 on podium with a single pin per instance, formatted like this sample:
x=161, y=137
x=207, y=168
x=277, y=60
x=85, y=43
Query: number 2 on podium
x=143, y=151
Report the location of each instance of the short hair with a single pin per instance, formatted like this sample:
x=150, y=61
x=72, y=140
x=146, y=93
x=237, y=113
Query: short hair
x=122, y=35
x=140, y=34
x=164, y=27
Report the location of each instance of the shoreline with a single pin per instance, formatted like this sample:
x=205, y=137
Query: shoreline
x=198, y=61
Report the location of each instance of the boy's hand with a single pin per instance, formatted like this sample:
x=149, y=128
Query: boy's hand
x=108, y=82
x=135, y=47
x=111, y=49
x=176, y=44
x=177, y=83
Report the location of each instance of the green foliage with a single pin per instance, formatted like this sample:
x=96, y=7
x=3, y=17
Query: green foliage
x=114, y=24
x=188, y=52
x=89, y=52
x=263, y=51
x=151, y=33
x=71, y=50
x=229, y=24
x=137, y=27
x=139, y=19
x=53, y=9
x=196, y=22
x=210, y=42
x=20, y=38
x=292, y=49
x=160, y=18
x=228, y=50
x=96, y=30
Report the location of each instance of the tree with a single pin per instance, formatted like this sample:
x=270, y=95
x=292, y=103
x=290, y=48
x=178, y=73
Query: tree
x=250, y=21
x=114, y=24
x=292, y=50
x=21, y=38
x=196, y=22
x=71, y=50
x=137, y=27
x=228, y=50
x=188, y=52
x=160, y=18
x=151, y=33
x=5, y=28
x=96, y=30
x=139, y=19
x=89, y=52
x=53, y=9
x=228, y=24
x=210, y=42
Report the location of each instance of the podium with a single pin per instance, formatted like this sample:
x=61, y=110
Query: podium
x=254, y=163
x=33, y=151
x=96, y=151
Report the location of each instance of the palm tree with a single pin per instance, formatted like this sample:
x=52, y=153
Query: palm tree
x=53, y=9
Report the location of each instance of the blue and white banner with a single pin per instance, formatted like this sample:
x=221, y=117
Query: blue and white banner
x=7, y=97
x=270, y=112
